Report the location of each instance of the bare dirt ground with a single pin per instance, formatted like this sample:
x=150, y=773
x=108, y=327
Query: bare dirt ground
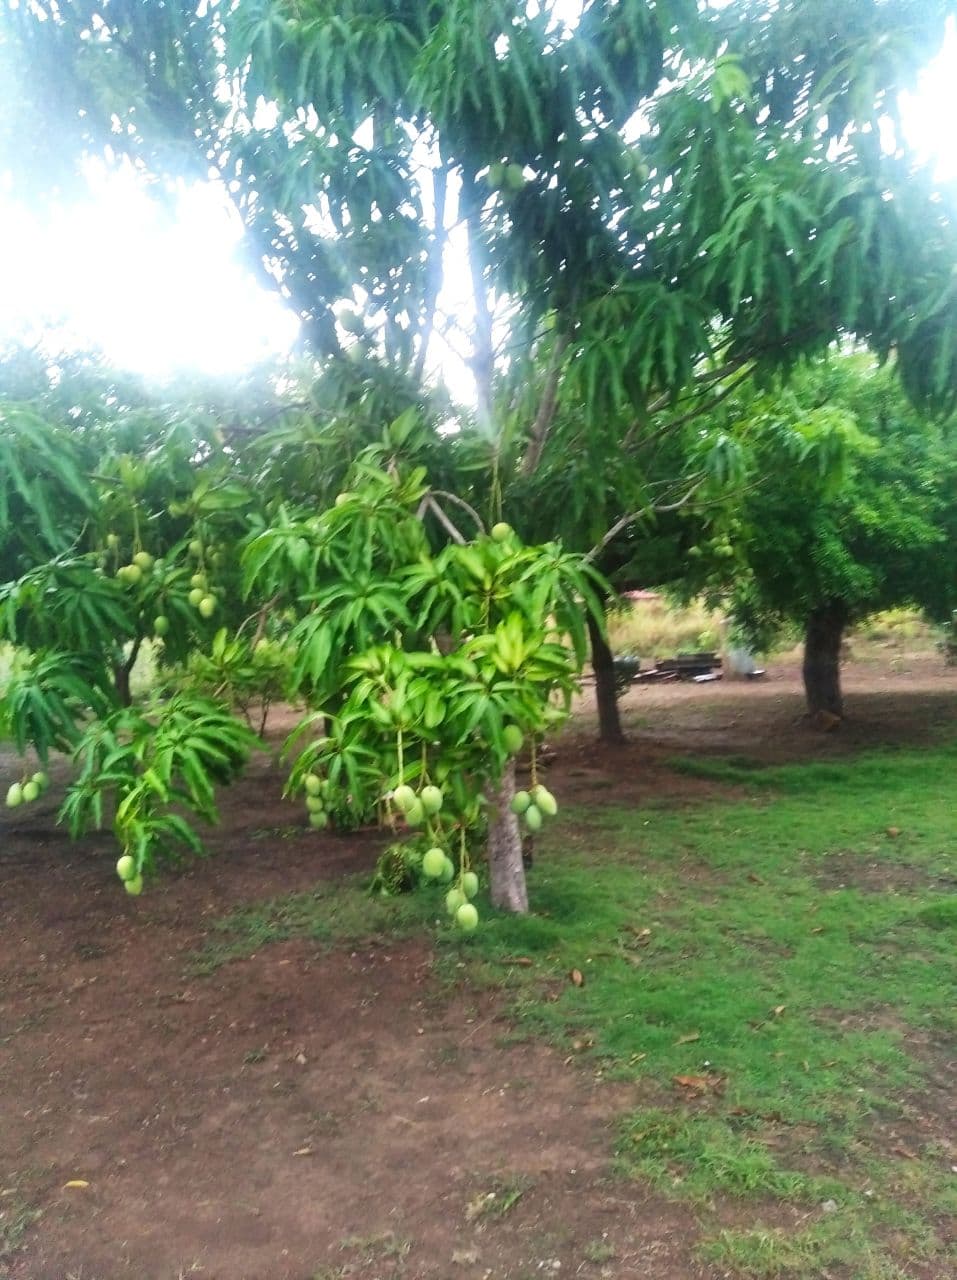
x=308, y=1114
x=891, y=699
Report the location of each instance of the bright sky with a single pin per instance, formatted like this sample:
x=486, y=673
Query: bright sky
x=157, y=289
x=161, y=291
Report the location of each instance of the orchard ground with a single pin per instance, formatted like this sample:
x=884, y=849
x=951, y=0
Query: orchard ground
x=722, y=1046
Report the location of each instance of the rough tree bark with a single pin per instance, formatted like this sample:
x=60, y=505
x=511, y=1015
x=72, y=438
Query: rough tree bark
x=822, y=658
x=606, y=693
x=122, y=672
x=505, y=865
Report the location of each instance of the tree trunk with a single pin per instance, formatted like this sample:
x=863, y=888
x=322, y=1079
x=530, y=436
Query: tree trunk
x=822, y=659
x=122, y=672
x=505, y=866
x=121, y=678
x=606, y=692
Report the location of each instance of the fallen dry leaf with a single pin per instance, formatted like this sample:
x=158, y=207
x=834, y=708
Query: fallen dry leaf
x=75, y=1182
x=699, y=1084
x=902, y=1151
x=303, y=1151
x=754, y=879
x=778, y=1010
x=893, y=832
x=690, y=1038
x=478, y=1205
x=576, y=978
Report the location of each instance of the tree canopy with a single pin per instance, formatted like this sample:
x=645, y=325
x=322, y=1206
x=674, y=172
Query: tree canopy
x=647, y=190
x=849, y=508
x=418, y=656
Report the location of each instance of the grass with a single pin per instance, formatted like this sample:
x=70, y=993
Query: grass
x=499, y=1199
x=780, y=1021
x=657, y=629
x=16, y=1217
x=898, y=627
x=330, y=913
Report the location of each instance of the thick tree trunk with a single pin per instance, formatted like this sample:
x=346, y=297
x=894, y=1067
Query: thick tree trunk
x=606, y=692
x=505, y=866
x=822, y=659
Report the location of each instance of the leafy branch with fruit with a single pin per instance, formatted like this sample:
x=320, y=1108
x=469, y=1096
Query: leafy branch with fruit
x=422, y=661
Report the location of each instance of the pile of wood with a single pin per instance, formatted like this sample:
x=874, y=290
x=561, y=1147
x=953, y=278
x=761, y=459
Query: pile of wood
x=700, y=667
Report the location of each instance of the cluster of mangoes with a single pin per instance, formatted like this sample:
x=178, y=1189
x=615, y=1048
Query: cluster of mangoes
x=27, y=791
x=132, y=879
x=416, y=808
x=318, y=792
x=534, y=806
x=437, y=865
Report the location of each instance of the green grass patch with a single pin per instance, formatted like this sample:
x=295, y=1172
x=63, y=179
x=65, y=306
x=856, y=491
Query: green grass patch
x=703, y=1154
x=331, y=913
x=776, y=1016
x=872, y=771
x=783, y=1253
x=16, y=1218
x=941, y=914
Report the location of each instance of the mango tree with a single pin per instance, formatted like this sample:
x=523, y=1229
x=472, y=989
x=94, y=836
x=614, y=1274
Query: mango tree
x=823, y=541
x=425, y=658
x=425, y=670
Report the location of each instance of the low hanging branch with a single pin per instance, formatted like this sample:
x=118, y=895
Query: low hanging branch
x=698, y=389
x=261, y=617
x=656, y=509
x=662, y=508
x=428, y=503
x=460, y=502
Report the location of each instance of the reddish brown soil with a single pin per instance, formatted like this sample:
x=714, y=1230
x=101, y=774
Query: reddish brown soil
x=307, y=1113
x=301, y=1113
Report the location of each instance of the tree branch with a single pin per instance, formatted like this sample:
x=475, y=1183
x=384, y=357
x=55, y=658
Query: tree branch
x=259, y=617
x=428, y=503
x=705, y=406
x=440, y=180
x=620, y=525
x=460, y=502
x=482, y=350
x=698, y=387
x=546, y=409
